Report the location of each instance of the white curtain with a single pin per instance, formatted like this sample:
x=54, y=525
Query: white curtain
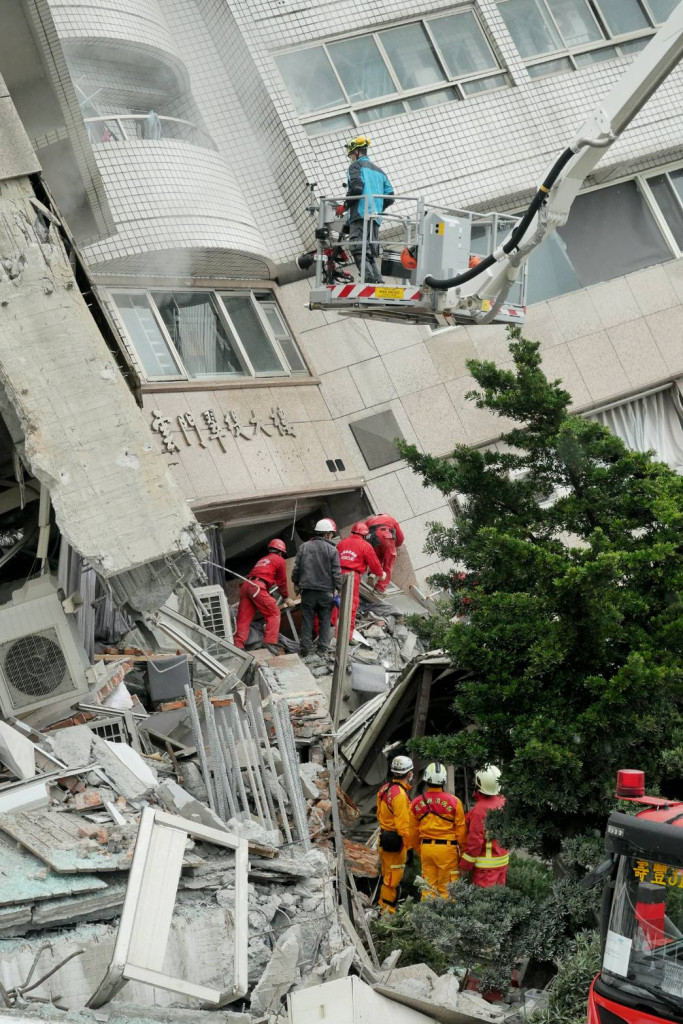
x=653, y=422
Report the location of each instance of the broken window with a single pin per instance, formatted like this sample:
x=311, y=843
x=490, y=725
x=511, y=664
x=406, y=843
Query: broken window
x=199, y=333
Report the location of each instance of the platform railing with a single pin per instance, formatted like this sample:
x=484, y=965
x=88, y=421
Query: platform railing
x=113, y=128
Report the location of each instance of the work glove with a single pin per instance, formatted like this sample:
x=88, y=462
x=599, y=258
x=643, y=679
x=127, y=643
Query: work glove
x=341, y=210
x=288, y=602
x=336, y=600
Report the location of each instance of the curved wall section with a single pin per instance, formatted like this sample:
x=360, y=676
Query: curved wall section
x=178, y=212
x=140, y=23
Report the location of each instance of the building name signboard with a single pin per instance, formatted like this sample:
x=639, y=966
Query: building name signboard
x=209, y=427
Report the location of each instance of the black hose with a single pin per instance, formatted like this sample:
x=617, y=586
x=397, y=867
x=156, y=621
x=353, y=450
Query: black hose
x=517, y=234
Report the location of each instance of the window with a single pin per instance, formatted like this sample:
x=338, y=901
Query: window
x=541, y=28
x=204, y=334
x=611, y=231
x=376, y=437
x=386, y=73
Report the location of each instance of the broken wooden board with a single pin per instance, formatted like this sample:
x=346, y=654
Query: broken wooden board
x=25, y=879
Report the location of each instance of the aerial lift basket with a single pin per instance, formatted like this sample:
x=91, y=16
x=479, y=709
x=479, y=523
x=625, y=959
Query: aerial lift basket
x=415, y=241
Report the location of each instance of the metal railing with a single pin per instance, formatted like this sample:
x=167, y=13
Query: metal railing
x=127, y=127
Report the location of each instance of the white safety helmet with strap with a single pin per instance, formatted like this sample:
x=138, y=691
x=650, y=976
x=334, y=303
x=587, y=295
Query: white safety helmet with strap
x=326, y=526
x=435, y=773
x=401, y=765
x=487, y=779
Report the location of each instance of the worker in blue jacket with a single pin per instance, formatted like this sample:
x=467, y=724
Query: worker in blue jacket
x=369, y=192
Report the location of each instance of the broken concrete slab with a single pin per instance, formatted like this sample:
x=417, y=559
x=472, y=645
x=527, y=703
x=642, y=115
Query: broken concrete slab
x=17, y=752
x=72, y=745
x=70, y=845
x=178, y=801
x=24, y=878
x=130, y=775
x=31, y=795
x=416, y=979
x=279, y=976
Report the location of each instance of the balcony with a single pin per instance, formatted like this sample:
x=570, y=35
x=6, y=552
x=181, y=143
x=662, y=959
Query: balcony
x=147, y=127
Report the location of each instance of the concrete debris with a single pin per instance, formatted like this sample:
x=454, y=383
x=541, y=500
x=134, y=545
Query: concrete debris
x=130, y=775
x=416, y=979
x=280, y=974
x=72, y=746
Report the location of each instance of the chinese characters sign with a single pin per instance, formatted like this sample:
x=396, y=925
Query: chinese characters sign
x=658, y=874
x=210, y=428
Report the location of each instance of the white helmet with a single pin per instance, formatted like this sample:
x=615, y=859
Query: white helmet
x=401, y=765
x=326, y=526
x=436, y=774
x=488, y=780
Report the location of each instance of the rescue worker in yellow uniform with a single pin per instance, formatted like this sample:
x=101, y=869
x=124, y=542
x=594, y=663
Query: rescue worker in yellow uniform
x=442, y=830
x=397, y=832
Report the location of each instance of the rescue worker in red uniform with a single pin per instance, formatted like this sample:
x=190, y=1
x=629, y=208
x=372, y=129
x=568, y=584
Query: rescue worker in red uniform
x=442, y=832
x=397, y=830
x=386, y=536
x=357, y=556
x=269, y=571
x=483, y=856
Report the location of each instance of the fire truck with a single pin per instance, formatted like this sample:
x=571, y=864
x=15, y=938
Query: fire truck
x=641, y=981
x=457, y=267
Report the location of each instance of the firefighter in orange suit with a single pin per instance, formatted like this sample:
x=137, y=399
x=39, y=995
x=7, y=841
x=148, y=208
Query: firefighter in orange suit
x=397, y=830
x=441, y=826
x=483, y=856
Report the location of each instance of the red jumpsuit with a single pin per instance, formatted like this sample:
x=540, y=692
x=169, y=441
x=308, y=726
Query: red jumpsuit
x=483, y=856
x=390, y=536
x=356, y=556
x=268, y=571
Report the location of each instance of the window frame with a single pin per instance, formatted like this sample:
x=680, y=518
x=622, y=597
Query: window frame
x=401, y=95
x=641, y=180
x=571, y=52
x=240, y=348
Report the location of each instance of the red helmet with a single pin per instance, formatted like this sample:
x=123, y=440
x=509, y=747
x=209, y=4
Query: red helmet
x=278, y=545
x=361, y=529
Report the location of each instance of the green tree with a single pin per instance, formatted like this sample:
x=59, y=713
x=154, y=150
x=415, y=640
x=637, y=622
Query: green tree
x=568, y=547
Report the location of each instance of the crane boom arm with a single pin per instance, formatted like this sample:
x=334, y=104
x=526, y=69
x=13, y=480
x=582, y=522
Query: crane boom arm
x=549, y=209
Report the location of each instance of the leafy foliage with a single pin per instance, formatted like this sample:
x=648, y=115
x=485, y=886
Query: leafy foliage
x=398, y=931
x=569, y=992
x=568, y=548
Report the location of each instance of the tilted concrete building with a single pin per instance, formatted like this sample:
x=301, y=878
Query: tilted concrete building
x=209, y=118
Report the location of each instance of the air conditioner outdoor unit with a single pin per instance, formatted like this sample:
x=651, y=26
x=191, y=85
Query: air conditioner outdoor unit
x=42, y=660
x=216, y=611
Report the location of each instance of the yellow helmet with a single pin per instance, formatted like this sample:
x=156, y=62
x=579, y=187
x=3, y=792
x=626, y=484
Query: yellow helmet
x=360, y=142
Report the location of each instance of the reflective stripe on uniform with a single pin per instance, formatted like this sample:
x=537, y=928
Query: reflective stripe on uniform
x=488, y=860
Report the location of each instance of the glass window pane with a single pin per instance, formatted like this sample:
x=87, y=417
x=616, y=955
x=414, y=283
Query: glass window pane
x=330, y=124
x=430, y=99
x=550, y=67
x=611, y=232
x=251, y=333
x=550, y=271
x=463, y=44
x=380, y=111
x=623, y=16
x=300, y=70
x=668, y=191
x=661, y=9
x=279, y=329
x=575, y=21
x=531, y=29
x=595, y=56
x=484, y=84
x=198, y=333
x=147, y=336
x=361, y=68
x=634, y=45
x=412, y=56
